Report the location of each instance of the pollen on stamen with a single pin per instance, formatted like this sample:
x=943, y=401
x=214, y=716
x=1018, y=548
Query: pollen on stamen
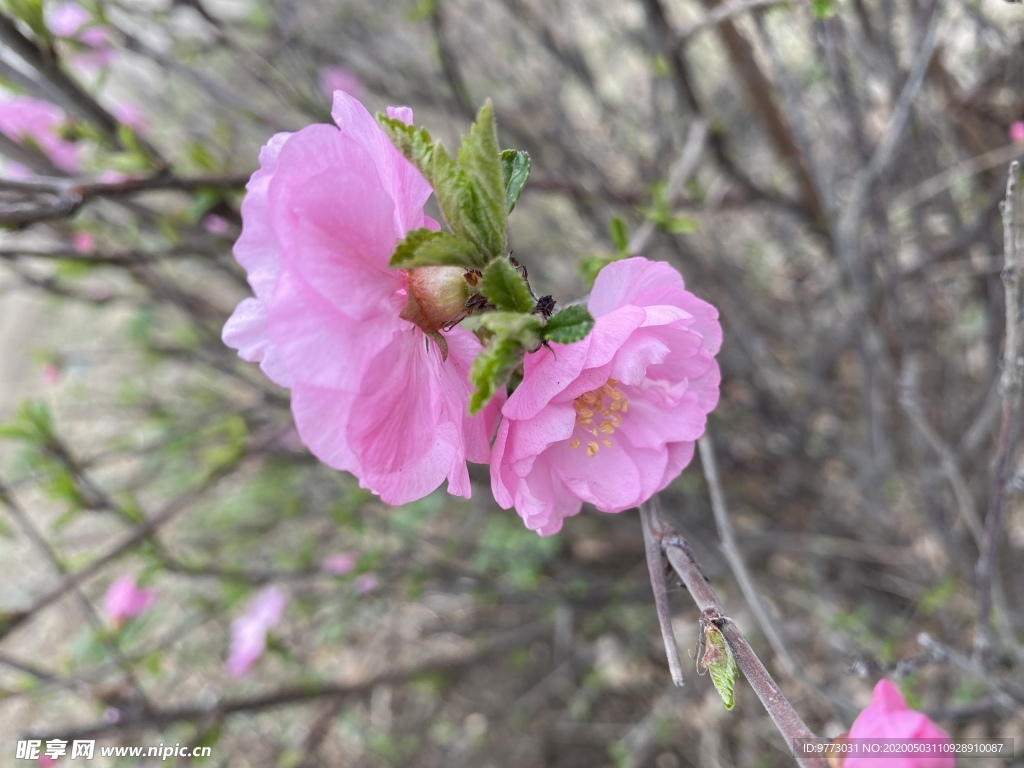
x=606, y=443
x=592, y=448
x=574, y=443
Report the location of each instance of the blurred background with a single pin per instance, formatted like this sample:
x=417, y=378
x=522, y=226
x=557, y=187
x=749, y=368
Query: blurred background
x=827, y=173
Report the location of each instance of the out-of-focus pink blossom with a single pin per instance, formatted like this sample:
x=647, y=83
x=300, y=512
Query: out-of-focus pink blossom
x=887, y=717
x=365, y=582
x=249, y=631
x=47, y=760
x=131, y=115
x=83, y=242
x=371, y=394
x=51, y=373
x=112, y=714
x=340, y=79
x=1017, y=132
x=23, y=118
x=611, y=419
x=216, y=225
x=72, y=22
x=125, y=599
x=341, y=563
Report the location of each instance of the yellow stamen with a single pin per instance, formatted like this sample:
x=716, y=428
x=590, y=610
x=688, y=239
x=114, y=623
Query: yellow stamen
x=606, y=443
x=592, y=448
x=574, y=443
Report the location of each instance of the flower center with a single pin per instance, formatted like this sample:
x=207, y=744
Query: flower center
x=605, y=406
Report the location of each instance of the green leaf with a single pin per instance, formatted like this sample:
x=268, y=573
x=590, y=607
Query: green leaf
x=426, y=248
x=492, y=368
x=719, y=662
x=619, y=235
x=515, y=334
x=505, y=288
x=681, y=225
x=30, y=12
x=415, y=143
x=571, y=324
x=515, y=168
x=823, y=9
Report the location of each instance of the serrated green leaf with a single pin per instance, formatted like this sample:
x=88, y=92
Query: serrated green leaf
x=523, y=329
x=505, y=288
x=618, y=233
x=415, y=143
x=719, y=662
x=491, y=369
x=480, y=158
x=571, y=324
x=515, y=169
x=427, y=248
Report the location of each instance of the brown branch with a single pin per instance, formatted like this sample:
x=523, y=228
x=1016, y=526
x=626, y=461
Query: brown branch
x=161, y=719
x=1010, y=384
x=680, y=557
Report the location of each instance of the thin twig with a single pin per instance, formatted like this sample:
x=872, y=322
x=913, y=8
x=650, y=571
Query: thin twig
x=656, y=569
x=1010, y=385
x=785, y=717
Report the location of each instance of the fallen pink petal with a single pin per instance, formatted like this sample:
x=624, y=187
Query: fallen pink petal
x=249, y=631
x=341, y=563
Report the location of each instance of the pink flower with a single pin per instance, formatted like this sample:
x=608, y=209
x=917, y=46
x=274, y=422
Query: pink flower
x=366, y=582
x=83, y=242
x=24, y=118
x=611, y=419
x=341, y=563
x=130, y=115
x=340, y=79
x=371, y=393
x=73, y=22
x=125, y=599
x=249, y=631
x=1017, y=132
x=887, y=717
x=216, y=225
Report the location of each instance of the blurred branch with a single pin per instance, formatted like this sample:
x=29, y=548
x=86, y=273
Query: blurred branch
x=46, y=199
x=159, y=719
x=1010, y=386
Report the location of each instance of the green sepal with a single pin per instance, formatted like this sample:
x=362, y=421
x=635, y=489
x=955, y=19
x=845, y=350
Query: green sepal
x=515, y=168
x=427, y=248
x=719, y=662
x=571, y=324
x=505, y=288
x=415, y=143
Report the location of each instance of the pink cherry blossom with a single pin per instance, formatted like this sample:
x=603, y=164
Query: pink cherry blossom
x=216, y=225
x=73, y=22
x=24, y=118
x=1017, y=132
x=125, y=599
x=249, y=631
x=611, y=419
x=83, y=242
x=887, y=717
x=340, y=79
x=371, y=394
x=365, y=582
x=341, y=563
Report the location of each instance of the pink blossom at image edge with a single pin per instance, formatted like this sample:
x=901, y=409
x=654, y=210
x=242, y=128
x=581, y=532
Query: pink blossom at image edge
x=611, y=419
x=23, y=117
x=125, y=600
x=249, y=631
x=887, y=717
x=320, y=220
x=340, y=79
x=1017, y=132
